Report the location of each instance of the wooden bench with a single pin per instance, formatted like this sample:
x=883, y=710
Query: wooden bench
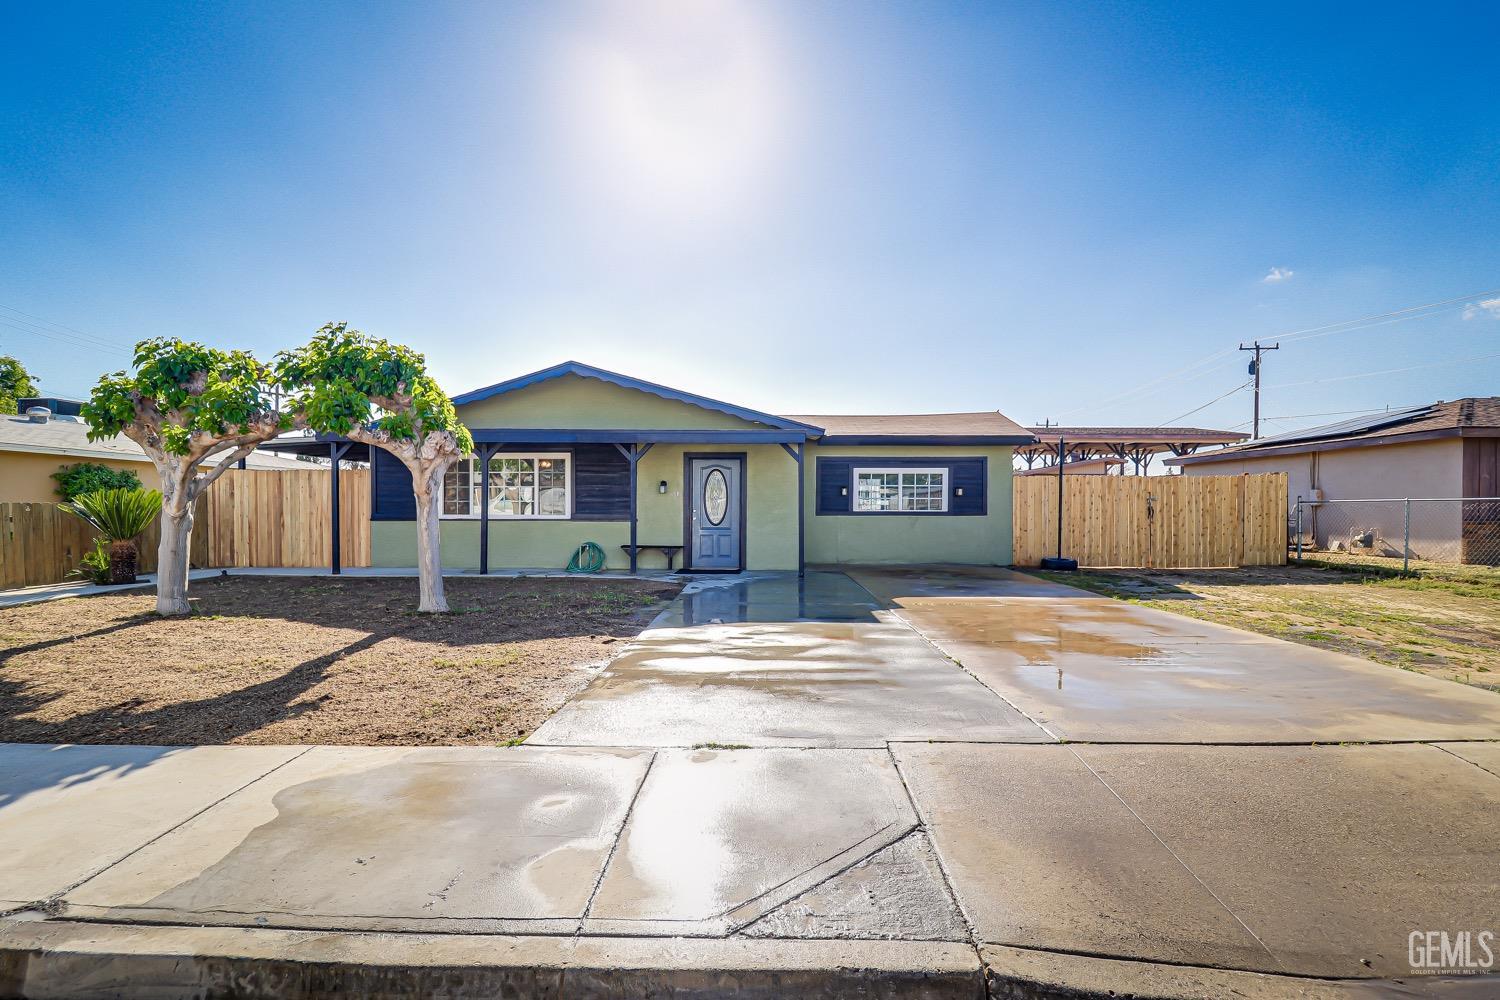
x=670, y=551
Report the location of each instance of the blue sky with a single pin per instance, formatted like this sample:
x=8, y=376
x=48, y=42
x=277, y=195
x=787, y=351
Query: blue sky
x=834, y=207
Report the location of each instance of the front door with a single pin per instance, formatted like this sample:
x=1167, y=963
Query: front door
x=715, y=513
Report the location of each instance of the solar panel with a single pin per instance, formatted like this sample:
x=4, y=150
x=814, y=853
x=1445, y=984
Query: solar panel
x=1344, y=428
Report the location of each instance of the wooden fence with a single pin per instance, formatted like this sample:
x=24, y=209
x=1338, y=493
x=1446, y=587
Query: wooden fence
x=248, y=518
x=270, y=518
x=1164, y=522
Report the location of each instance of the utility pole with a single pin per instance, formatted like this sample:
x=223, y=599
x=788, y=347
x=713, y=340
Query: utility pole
x=1255, y=370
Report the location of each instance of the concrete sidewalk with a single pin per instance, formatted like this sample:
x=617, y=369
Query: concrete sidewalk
x=901, y=826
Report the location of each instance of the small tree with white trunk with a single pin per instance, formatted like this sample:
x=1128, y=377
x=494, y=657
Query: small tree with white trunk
x=378, y=393
x=195, y=411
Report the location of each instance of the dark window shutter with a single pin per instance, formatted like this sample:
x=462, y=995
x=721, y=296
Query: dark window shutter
x=392, y=498
x=834, y=477
x=601, y=483
x=967, y=474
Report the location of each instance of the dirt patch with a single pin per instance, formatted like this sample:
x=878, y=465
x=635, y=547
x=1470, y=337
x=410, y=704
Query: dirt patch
x=312, y=660
x=1445, y=625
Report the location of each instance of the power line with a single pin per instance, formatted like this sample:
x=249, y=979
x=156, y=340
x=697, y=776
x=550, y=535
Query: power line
x=1387, y=371
x=1400, y=315
x=1309, y=333
x=40, y=322
x=1239, y=388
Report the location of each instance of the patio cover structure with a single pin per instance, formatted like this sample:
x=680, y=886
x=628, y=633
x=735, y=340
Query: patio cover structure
x=1137, y=445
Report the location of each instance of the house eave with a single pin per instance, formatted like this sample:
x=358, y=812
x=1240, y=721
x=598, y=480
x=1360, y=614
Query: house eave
x=925, y=440
x=1338, y=444
x=627, y=382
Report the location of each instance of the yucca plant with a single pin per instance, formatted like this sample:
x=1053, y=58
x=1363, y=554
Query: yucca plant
x=119, y=515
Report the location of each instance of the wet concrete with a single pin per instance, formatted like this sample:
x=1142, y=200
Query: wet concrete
x=67, y=812
x=823, y=684
x=1095, y=669
x=388, y=838
x=719, y=838
x=772, y=661
x=1317, y=861
x=897, y=893
x=821, y=595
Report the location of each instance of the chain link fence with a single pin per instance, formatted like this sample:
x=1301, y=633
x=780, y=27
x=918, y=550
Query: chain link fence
x=1402, y=534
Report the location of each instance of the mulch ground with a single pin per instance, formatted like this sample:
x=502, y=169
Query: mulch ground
x=312, y=660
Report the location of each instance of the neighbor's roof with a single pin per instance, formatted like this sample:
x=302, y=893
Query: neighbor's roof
x=1472, y=416
x=68, y=436
x=984, y=427
x=582, y=370
x=1091, y=467
x=1140, y=435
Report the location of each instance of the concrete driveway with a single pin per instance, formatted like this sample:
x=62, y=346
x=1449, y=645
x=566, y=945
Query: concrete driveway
x=771, y=660
x=1094, y=669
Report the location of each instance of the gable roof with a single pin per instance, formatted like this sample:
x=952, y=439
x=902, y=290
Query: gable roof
x=68, y=437
x=640, y=385
x=984, y=427
x=1472, y=416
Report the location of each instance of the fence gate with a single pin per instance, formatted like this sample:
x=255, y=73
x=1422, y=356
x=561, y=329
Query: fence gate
x=1166, y=522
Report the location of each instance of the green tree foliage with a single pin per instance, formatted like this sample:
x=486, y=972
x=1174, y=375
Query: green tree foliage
x=194, y=399
x=88, y=477
x=349, y=381
x=380, y=394
x=195, y=411
x=15, y=383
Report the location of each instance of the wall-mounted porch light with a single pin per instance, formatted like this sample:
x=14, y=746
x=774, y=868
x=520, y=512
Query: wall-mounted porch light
x=661, y=487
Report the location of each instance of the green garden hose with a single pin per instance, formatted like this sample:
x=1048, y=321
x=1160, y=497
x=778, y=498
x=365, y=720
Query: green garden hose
x=588, y=559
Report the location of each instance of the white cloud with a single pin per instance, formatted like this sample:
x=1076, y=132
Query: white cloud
x=1277, y=274
x=1484, y=307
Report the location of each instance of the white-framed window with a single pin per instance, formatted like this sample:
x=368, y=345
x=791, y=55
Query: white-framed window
x=537, y=487
x=901, y=491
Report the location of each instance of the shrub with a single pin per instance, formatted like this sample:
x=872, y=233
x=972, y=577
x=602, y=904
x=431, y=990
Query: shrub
x=89, y=477
x=94, y=566
x=119, y=516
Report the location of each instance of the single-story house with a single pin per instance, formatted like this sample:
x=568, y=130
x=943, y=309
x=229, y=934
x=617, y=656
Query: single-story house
x=48, y=434
x=659, y=476
x=1448, y=449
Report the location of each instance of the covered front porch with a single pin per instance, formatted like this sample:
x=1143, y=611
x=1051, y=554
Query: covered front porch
x=654, y=501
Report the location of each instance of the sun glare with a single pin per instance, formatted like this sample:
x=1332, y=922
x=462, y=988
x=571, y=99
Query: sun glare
x=675, y=108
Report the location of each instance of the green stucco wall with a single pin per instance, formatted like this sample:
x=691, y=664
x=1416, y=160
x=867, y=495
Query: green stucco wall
x=913, y=538
x=770, y=503
x=513, y=544
x=575, y=402
x=770, y=526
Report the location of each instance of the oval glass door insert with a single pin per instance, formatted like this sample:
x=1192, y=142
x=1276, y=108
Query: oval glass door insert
x=715, y=497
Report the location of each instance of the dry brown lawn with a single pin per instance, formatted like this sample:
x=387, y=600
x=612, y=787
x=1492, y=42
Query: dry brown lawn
x=1445, y=622
x=312, y=660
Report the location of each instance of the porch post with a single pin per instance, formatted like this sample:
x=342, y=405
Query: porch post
x=335, y=452
x=486, y=451
x=801, y=511
x=634, y=457
x=801, y=504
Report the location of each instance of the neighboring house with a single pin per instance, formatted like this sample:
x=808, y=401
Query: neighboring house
x=581, y=454
x=1446, y=449
x=1090, y=467
x=35, y=445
